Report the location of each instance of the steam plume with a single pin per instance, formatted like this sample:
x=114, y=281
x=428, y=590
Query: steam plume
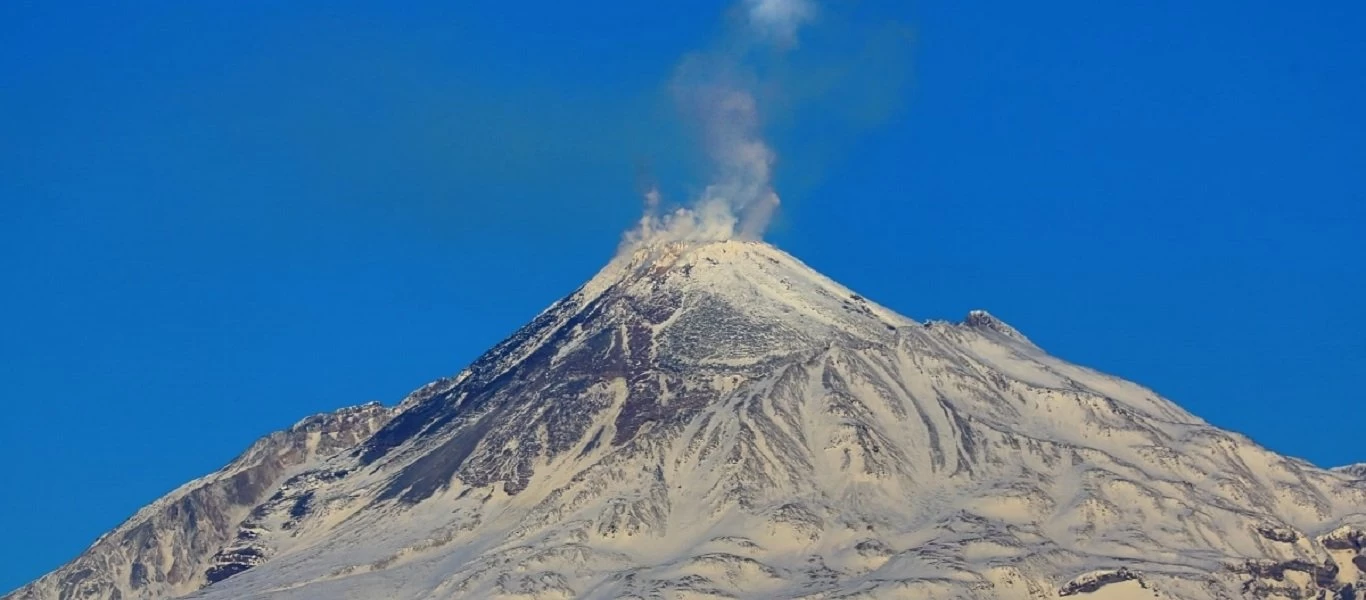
x=779, y=19
x=716, y=90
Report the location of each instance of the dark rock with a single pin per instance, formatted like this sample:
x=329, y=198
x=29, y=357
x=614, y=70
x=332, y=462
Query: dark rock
x=1091, y=584
x=137, y=575
x=1350, y=539
x=1278, y=534
x=301, y=505
x=218, y=573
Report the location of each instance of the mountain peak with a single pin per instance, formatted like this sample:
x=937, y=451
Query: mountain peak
x=1357, y=470
x=719, y=420
x=657, y=257
x=983, y=320
x=748, y=278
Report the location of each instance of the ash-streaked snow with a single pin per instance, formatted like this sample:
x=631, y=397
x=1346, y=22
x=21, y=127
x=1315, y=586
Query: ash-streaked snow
x=720, y=421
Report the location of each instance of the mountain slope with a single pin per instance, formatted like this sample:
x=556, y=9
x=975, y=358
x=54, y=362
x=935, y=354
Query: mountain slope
x=718, y=420
x=166, y=549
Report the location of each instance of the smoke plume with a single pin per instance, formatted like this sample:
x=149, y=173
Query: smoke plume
x=779, y=20
x=716, y=91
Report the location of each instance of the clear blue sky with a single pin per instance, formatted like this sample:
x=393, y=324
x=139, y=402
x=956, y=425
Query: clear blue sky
x=217, y=218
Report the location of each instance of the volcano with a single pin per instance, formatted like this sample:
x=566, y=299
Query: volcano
x=718, y=420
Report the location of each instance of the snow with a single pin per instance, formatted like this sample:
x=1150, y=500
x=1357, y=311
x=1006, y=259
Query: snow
x=719, y=420
x=1124, y=590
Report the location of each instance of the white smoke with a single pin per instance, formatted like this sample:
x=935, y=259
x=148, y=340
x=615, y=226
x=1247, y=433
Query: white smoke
x=716, y=91
x=779, y=20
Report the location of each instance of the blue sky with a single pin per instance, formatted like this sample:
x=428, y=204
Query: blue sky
x=217, y=218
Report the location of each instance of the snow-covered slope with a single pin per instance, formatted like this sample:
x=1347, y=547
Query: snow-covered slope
x=1357, y=470
x=166, y=549
x=719, y=421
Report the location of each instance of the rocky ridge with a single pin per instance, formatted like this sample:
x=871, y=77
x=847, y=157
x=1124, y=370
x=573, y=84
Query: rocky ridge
x=720, y=421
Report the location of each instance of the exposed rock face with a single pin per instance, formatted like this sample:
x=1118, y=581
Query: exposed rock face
x=1094, y=582
x=720, y=421
x=168, y=548
x=1357, y=471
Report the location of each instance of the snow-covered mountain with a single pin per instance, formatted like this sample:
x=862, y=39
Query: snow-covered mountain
x=720, y=421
